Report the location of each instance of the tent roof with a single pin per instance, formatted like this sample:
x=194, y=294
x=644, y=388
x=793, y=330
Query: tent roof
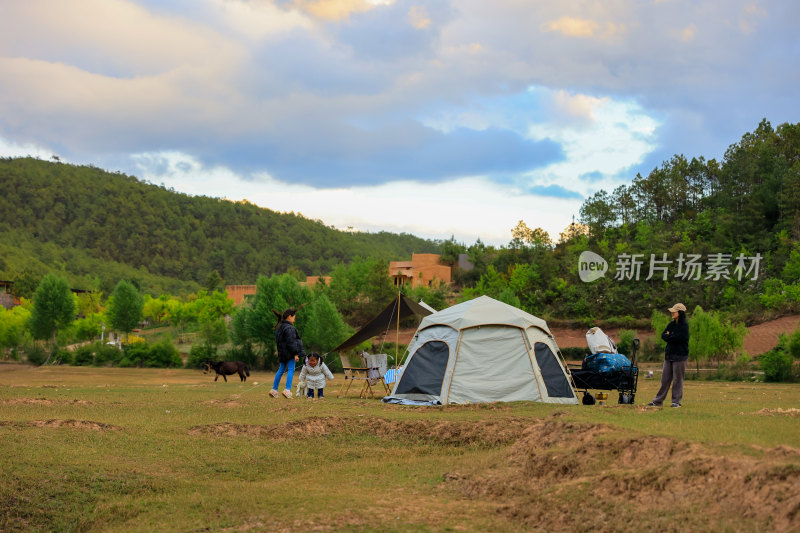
x=480, y=312
x=383, y=321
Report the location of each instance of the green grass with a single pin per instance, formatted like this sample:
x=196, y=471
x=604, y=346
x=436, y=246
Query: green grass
x=155, y=465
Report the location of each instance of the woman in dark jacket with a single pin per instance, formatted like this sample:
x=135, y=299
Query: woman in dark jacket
x=290, y=348
x=676, y=355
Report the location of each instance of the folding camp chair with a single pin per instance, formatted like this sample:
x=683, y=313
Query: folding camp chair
x=368, y=373
x=378, y=364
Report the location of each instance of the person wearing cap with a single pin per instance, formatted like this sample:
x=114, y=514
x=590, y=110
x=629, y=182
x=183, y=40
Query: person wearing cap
x=676, y=356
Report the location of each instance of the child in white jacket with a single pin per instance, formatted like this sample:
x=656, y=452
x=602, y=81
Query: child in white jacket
x=314, y=373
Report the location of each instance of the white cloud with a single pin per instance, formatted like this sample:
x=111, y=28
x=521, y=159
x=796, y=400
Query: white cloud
x=258, y=20
x=15, y=149
x=618, y=135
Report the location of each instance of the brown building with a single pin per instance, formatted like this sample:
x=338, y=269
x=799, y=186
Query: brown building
x=8, y=300
x=422, y=271
x=238, y=293
x=313, y=280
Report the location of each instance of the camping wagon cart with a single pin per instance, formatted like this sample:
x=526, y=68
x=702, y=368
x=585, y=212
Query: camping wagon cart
x=625, y=380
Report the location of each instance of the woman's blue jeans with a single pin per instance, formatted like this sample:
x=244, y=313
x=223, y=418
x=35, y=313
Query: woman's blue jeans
x=287, y=367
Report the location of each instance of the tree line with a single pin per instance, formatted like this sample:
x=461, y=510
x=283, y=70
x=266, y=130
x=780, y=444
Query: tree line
x=205, y=323
x=97, y=227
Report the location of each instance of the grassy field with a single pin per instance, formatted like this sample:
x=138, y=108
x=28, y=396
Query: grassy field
x=106, y=449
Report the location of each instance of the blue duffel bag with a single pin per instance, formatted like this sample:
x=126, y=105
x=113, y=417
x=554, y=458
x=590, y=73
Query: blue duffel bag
x=607, y=364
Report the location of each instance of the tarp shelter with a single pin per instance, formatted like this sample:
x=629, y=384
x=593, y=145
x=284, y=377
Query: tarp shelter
x=483, y=351
x=384, y=320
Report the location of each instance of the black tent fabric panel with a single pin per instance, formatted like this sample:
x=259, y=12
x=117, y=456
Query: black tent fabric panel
x=383, y=321
x=552, y=374
x=425, y=371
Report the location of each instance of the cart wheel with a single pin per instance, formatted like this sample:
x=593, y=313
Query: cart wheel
x=626, y=399
x=588, y=399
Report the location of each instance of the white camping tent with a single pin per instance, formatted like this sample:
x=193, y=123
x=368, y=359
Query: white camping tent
x=483, y=351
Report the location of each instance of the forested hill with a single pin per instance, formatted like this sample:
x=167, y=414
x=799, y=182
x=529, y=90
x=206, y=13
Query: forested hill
x=95, y=224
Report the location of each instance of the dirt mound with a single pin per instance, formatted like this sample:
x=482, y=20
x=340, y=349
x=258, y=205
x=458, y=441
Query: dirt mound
x=655, y=482
x=55, y=423
x=42, y=401
x=791, y=411
x=424, y=431
x=223, y=403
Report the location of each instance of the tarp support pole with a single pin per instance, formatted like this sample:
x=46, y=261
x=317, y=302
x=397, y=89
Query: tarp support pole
x=397, y=337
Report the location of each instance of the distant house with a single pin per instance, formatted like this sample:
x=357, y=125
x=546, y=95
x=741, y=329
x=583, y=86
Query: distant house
x=238, y=293
x=7, y=299
x=313, y=280
x=422, y=271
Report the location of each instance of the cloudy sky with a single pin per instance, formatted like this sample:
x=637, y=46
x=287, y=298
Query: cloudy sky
x=433, y=117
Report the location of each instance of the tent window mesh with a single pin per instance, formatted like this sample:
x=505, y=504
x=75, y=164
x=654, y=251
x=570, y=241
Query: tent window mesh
x=425, y=371
x=553, y=375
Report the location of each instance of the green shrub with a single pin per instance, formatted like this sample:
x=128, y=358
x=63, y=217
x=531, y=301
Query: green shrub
x=625, y=345
x=159, y=355
x=738, y=371
x=793, y=344
x=62, y=356
x=136, y=354
x=83, y=356
x=649, y=351
x=574, y=353
x=36, y=355
x=163, y=354
x=777, y=365
x=105, y=354
x=626, y=321
x=199, y=354
x=243, y=353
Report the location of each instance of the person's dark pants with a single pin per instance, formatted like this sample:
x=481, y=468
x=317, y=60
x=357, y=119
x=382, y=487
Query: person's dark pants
x=672, y=373
x=320, y=393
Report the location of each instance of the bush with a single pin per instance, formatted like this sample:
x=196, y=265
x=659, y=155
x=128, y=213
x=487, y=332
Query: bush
x=105, y=354
x=83, y=356
x=626, y=321
x=738, y=371
x=199, y=354
x=574, y=354
x=164, y=354
x=244, y=353
x=36, y=355
x=777, y=365
x=61, y=356
x=625, y=345
x=793, y=344
x=160, y=355
x=649, y=351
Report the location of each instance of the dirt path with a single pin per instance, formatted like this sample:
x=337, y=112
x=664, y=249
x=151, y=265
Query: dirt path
x=760, y=338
